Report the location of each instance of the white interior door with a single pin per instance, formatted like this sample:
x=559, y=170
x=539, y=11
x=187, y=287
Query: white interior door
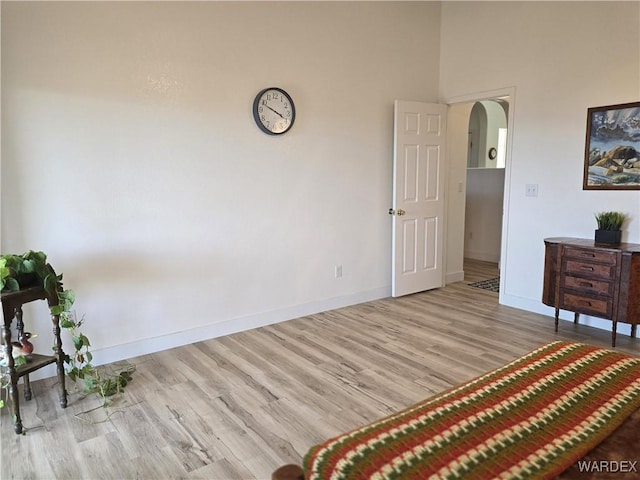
x=418, y=197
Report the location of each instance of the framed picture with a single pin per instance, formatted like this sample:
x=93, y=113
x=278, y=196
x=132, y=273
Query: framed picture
x=612, y=151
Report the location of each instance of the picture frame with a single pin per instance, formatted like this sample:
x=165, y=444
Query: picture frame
x=612, y=148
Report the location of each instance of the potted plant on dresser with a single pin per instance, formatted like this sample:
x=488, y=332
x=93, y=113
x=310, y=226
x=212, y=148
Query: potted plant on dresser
x=609, y=229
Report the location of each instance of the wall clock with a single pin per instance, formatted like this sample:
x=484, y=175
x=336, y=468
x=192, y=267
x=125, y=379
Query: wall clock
x=274, y=111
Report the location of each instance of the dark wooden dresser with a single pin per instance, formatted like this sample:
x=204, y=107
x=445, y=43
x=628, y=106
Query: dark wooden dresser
x=594, y=279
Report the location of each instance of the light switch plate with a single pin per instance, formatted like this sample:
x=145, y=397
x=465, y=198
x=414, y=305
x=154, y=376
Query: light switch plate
x=531, y=190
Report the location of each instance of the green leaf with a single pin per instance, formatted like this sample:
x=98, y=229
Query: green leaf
x=89, y=384
x=67, y=295
x=4, y=272
x=77, y=342
x=39, y=257
x=89, y=357
x=28, y=266
x=12, y=284
x=85, y=341
x=50, y=283
x=13, y=262
x=66, y=298
x=1, y=403
x=20, y=360
x=66, y=323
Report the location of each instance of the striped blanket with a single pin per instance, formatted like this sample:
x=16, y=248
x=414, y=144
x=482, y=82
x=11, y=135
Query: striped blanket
x=532, y=418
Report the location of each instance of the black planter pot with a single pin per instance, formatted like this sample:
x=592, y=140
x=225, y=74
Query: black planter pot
x=612, y=237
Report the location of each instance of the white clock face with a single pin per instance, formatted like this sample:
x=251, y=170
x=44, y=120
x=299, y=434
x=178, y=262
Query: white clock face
x=274, y=111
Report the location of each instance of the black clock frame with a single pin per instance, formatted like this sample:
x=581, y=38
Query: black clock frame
x=256, y=115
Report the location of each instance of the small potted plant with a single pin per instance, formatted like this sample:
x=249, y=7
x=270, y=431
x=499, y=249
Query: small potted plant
x=609, y=227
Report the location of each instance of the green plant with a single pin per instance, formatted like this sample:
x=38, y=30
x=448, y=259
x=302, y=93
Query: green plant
x=79, y=364
x=80, y=367
x=610, y=220
x=32, y=267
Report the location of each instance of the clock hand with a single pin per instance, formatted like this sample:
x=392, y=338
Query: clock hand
x=274, y=111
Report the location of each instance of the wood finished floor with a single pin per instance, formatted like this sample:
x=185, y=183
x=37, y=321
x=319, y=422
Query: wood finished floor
x=238, y=407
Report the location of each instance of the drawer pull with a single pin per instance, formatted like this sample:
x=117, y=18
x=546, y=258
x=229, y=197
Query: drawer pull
x=586, y=284
x=590, y=269
x=588, y=254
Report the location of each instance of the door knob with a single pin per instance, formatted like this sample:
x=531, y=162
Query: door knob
x=398, y=212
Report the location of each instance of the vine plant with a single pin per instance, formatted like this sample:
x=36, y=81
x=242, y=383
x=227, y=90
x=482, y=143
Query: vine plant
x=31, y=268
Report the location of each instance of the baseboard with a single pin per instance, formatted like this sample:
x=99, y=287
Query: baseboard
x=539, y=307
x=454, y=277
x=483, y=256
x=226, y=327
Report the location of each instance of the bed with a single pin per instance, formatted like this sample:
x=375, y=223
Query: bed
x=565, y=410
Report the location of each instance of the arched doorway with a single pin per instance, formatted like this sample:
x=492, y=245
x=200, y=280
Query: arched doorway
x=488, y=121
x=458, y=172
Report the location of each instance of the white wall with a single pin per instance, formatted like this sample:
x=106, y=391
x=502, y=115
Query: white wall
x=130, y=156
x=560, y=58
x=483, y=214
x=457, y=136
x=496, y=119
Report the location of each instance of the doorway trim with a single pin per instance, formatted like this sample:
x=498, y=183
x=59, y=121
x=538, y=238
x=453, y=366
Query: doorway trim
x=491, y=95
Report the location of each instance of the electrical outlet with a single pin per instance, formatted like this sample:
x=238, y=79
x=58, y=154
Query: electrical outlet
x=338, y=271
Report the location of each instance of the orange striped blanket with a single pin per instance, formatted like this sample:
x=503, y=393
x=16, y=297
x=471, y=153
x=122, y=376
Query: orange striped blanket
x=532, y=418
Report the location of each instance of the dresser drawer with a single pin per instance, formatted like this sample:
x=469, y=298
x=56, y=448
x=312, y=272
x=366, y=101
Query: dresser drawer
x=588, y=285
x=588, y=305
x=599, y=256
x=584, y=268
